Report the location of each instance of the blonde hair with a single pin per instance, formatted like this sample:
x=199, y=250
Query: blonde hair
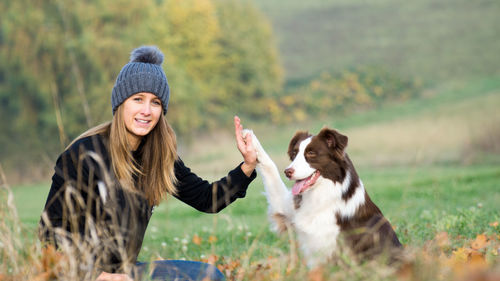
x=155, y=176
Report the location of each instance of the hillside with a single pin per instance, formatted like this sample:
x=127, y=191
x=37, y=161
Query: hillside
x=436, y=40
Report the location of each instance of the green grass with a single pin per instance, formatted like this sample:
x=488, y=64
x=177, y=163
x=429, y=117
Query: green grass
x=30, y=200
x=419, y=201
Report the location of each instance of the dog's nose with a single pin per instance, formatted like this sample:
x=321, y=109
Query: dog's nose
x=289, y=172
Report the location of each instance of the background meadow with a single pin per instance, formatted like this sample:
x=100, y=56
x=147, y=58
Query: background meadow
x=415, y=87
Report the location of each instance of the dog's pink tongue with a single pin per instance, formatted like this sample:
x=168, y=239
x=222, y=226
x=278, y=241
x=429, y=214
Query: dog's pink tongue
x=299, y=186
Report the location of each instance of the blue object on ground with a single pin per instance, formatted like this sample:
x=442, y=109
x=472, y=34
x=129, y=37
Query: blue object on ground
x=179, y=270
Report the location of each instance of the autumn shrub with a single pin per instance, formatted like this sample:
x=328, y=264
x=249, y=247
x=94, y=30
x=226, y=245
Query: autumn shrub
x=339, y=94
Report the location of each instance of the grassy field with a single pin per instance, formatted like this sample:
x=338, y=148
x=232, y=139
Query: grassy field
x=435, y=40
x=415, y=160
x=422, y=162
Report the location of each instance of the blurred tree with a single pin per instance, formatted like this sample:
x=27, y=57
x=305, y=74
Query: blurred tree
x=251, y=72
x=187, y=31
x=221, y=60
x=60, y=59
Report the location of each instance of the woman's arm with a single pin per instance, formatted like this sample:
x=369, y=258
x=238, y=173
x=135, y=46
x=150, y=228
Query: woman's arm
x=213, y=197
x=210, y=197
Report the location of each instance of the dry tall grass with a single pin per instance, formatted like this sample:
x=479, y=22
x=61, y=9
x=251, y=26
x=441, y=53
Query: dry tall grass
x=25, y=259
x=77, y=257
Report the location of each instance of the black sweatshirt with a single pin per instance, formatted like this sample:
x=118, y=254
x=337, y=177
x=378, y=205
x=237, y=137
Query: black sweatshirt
x=85, y=201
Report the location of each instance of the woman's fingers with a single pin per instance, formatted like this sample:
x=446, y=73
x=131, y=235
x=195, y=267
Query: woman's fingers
x=238, y=128
x=245, y=147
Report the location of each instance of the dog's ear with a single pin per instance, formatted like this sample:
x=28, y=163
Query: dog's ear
x=334, y=140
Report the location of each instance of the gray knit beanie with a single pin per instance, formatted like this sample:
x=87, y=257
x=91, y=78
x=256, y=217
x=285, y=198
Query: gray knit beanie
x=142, y=74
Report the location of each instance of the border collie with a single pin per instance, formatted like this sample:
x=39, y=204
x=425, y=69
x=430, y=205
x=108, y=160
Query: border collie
x=327, y=206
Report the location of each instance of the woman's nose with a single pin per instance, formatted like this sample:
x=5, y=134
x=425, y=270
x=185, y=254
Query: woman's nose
x=146, y=109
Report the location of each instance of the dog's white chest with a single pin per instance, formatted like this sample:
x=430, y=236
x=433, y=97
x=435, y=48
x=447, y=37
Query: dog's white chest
x=316, y=225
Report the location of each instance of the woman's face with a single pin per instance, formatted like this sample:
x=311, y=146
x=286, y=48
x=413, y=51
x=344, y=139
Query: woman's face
x=141, y=113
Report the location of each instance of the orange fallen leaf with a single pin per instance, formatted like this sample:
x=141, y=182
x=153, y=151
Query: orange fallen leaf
x=480, y=242
x=44, y=276
x=197, y=239
x=212, y=259
x=477, y=260
x=406, y=271
x=494, y=224
x=234, y=264
x=49, y=265
x=316, y=274
x=212, y=239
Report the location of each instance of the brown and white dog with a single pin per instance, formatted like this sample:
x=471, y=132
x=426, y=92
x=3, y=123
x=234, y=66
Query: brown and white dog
x=328, y=202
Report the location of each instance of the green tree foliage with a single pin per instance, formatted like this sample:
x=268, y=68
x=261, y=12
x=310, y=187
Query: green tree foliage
x=59, y=61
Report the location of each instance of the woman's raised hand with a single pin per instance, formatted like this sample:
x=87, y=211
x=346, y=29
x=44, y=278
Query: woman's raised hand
x=246, y=148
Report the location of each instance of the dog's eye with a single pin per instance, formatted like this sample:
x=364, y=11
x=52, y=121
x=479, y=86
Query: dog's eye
x=293, y=153
x=311, y=153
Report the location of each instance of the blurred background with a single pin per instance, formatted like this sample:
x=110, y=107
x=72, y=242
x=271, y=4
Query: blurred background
x=410, y=82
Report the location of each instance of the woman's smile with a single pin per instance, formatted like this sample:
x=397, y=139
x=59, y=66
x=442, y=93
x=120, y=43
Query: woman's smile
x=143, y=122
x=141, y=113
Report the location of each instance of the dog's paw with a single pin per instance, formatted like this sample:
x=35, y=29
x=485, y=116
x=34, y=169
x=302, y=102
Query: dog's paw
x=256, y=144
x=262, y=156
x=245, y=132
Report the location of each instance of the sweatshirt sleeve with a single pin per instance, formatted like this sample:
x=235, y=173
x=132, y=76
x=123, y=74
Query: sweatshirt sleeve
x=210, y=197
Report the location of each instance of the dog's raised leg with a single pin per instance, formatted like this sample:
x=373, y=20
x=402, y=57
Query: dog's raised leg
x=277, y=194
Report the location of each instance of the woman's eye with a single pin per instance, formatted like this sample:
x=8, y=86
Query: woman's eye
x=156, y=102
x=137, y=99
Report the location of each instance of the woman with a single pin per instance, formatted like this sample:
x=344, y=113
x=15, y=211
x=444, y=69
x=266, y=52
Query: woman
x=107, y=182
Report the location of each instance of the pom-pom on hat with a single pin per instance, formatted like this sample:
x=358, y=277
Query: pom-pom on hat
x=142, y=74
